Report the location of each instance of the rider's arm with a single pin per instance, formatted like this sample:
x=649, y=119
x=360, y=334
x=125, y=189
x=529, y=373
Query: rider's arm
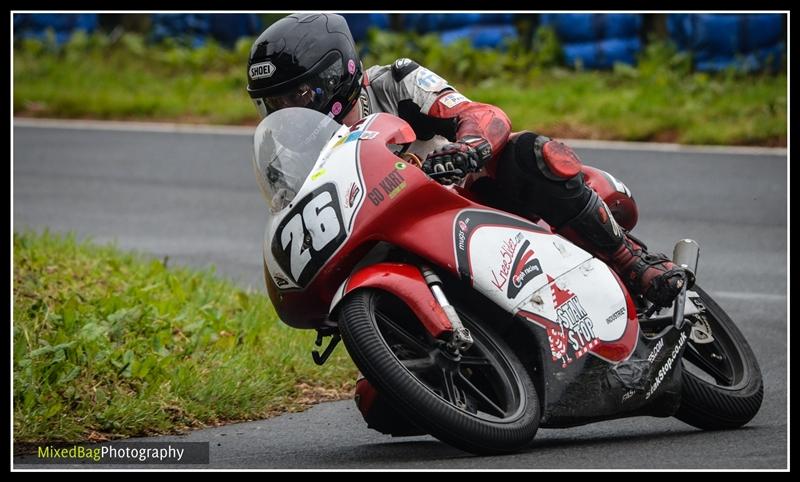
x=431, y=106
x=477, y=132
x=473, y=118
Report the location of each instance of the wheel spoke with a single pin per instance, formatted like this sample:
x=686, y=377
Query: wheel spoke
x=475, y=391
x=701, y=359
x=418, y=364
x=474, y=360
x=450, y=389
x=407, y=338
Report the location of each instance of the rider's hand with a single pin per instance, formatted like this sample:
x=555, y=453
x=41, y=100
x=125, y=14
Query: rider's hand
x=450, y=163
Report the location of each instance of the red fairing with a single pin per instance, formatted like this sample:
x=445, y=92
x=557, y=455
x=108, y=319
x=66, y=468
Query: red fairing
x=400, y=132
x=475, y=119
x=401, y=205
x=622, y=205
x=405, y=282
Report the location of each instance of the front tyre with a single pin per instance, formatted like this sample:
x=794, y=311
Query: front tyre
x=482, y=401
x=722, y=384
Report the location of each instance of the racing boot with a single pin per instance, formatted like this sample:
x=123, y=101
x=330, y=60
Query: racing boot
x=653, y=276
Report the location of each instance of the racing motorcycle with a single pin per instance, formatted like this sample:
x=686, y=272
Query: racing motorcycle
x=497, y=328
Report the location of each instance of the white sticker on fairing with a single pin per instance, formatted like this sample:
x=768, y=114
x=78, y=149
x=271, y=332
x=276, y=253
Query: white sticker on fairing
x=452, y=100
x=346, y=175
x=584, y=311
x=429, y=81
x=262, y=70
x=589, y=292
x=509, y=264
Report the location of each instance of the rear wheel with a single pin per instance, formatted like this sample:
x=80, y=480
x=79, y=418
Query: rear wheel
x=482, y=401
x=722, y=384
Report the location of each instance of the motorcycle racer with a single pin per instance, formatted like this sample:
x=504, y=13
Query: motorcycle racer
x=310, y=60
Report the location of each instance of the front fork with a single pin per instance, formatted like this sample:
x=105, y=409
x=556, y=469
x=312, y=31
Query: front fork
x=460, y=340
x=419, y=287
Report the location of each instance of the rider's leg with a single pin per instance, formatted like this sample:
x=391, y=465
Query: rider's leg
x=541, y=176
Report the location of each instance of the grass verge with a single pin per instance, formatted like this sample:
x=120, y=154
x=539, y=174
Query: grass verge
x=110, y=344
x=596, y=105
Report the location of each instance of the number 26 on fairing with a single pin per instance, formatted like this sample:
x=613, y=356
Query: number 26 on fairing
x=309, y=234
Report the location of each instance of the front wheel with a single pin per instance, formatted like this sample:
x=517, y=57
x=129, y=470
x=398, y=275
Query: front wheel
x=722, y=384
x=482, y=401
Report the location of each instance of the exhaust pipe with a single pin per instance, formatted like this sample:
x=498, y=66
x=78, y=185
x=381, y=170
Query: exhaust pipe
x=686, y=255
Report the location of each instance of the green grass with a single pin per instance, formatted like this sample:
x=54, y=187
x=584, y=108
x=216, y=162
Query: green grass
x=94, y=77
x=729, y=112
x=110, y=344
x=660, y=99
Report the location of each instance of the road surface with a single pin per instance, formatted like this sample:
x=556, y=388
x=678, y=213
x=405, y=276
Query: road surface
x=193, y=198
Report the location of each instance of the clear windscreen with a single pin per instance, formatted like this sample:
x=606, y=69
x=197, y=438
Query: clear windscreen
x=286, y=146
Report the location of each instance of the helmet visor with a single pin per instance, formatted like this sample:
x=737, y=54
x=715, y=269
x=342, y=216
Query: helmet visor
x=314, y=92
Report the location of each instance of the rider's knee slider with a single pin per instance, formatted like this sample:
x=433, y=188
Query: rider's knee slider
x=555, y=160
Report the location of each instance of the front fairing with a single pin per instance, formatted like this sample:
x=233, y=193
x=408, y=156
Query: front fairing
x=311, y=225
x=357, y=194
x=304, y=241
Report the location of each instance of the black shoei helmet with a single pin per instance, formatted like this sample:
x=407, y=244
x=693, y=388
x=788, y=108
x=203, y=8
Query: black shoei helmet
x=305, y=60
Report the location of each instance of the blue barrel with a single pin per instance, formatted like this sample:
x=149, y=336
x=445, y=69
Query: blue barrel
x=719, y=41
x=586, y=27
x=440, y=22
x=35, y=25
x=360, y=23
x=180, y=25
x=759, y=59
x=481, y=36
x=602, y=54
x=722, y=34
x=227, y=28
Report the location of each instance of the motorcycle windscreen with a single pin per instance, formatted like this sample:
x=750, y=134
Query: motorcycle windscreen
x=286, y=146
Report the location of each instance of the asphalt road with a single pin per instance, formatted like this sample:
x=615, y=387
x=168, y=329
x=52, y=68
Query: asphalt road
x=193, y=198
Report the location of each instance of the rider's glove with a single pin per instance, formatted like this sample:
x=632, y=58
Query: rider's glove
x=453, y=161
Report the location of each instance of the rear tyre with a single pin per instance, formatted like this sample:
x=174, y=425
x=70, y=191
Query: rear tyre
x=722, y=383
